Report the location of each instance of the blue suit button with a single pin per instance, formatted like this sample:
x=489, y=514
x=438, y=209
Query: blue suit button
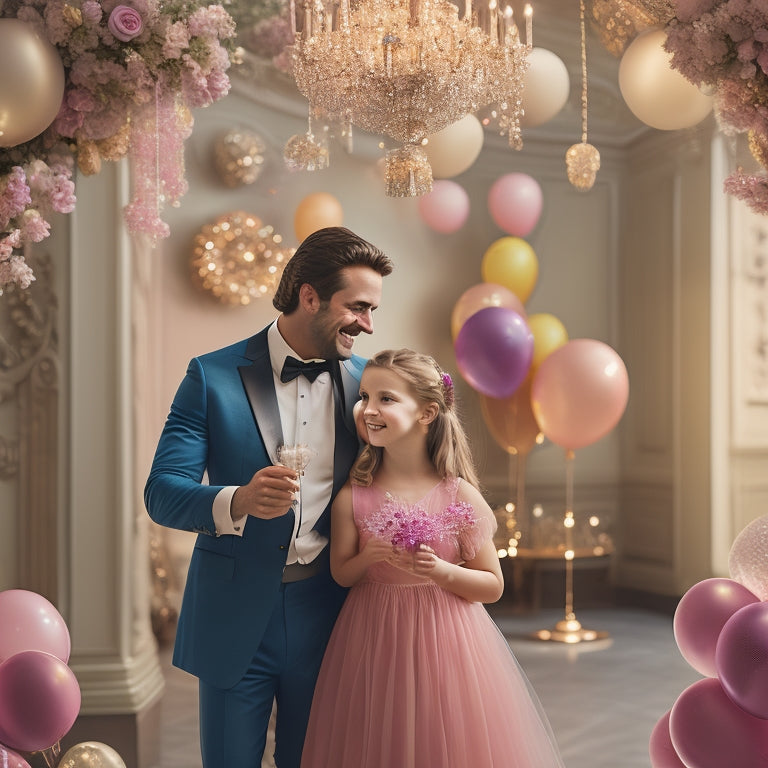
x=283, y=546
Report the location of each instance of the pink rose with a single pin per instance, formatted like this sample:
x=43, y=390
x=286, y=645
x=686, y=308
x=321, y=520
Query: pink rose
x=125, y=23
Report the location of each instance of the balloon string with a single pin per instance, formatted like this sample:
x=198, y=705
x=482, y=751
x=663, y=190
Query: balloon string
x=52, y=754
x=569, y=522
x=523, y=521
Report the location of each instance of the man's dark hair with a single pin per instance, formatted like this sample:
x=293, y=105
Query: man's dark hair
x=319, y=261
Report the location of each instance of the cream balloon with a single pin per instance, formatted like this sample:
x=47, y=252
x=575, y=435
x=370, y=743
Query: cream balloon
x=657, y=94
x=546, y=86
x=31, y=82
x=454, y=149
x=317, y=211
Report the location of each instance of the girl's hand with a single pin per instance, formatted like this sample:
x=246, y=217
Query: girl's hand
x=376, y=551
x=426, y=563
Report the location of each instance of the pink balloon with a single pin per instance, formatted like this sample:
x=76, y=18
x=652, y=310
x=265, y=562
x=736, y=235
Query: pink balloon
x=493, y=351
x=446, y=208
x=479, y=297
x=748, y=557
x=11, y=759
x=514, y=202
x=741, y=658
x=29, y=622
x=701, y=615
x=39, y=700
x=660, y=747
x=579, y=393
x=709, y=731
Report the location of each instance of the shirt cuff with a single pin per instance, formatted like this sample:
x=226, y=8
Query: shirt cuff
x=221, y=513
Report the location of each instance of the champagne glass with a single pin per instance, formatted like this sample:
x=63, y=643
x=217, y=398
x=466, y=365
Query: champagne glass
x=295, y=457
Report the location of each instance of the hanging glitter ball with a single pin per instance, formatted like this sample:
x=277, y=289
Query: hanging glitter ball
x=238, y=156
x=303, y=152
x=407, y=172
x=582, y=162
x=238, y=258
x=748, y=558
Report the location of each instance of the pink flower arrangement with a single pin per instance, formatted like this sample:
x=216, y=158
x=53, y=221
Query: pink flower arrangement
x=133, y=70
x=724, y=46
x=407, y=526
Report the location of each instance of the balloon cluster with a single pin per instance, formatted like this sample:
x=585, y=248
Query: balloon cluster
x=531, y=378
x=39, y=693
x=721, y=628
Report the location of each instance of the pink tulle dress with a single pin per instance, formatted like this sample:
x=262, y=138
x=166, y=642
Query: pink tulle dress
x=414, y=676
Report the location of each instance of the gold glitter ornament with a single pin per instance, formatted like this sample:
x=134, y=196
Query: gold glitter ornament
x=758, y=146
x=407, y=172
x=305, y=152
x=660, y=12
x=407, y=69
x=582, y=162
x=238, y=258
x=618, y=22
x=238, y=156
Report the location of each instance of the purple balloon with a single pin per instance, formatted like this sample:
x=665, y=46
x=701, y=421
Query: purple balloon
x=660, y=747
x=29, y=622
x=709, y=731
x=700, y=616
x=741, y=658
x=494, y=349
x=39, y=700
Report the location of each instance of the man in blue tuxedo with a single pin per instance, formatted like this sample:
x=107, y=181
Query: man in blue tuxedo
x=259, y=602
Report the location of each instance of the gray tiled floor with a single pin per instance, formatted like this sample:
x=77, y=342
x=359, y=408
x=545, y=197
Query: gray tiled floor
x=603, y=698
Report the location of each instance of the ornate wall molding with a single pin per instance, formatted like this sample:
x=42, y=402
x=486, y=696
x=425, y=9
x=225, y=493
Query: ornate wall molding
x=29, y=386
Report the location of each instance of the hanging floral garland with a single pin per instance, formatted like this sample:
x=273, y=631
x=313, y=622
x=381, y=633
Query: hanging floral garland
x=132, y=73
x=724, y=47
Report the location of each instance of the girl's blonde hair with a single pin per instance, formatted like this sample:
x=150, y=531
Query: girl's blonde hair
x=447, y=442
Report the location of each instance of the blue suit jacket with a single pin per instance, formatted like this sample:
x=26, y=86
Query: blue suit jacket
x=224, y=420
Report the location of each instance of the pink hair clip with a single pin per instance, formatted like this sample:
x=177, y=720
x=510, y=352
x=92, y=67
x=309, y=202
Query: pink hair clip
x=448, y=387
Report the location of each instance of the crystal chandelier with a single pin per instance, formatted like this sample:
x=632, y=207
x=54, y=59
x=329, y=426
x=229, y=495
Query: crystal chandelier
x=405, y=69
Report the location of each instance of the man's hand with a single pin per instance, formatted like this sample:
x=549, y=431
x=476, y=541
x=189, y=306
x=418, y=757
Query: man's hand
x=269, y=493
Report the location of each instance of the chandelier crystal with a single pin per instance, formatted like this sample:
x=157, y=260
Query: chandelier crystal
x=406, y=69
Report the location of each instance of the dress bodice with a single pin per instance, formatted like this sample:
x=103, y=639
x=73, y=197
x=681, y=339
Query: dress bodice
x=454, y=530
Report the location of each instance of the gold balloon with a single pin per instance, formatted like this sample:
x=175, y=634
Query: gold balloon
x=317, y=211
x=31, y=82
x=91, y=754
x=511, y=421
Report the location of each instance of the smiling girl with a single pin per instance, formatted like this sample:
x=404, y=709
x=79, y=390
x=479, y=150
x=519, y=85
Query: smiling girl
x=416, y=673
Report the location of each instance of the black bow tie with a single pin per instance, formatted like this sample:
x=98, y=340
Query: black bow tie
x=293, y=368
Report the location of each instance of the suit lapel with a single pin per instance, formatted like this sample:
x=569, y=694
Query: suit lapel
x=345, y=392
x=260, y=389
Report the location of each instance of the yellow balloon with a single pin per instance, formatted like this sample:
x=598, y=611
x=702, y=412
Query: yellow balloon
x=548, y=334
x=511, y=262
x=317, y=211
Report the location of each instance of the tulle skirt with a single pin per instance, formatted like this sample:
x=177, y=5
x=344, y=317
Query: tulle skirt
x=415, y=677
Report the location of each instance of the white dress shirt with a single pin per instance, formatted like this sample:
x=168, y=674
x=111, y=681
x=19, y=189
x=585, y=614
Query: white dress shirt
x=306, y=417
